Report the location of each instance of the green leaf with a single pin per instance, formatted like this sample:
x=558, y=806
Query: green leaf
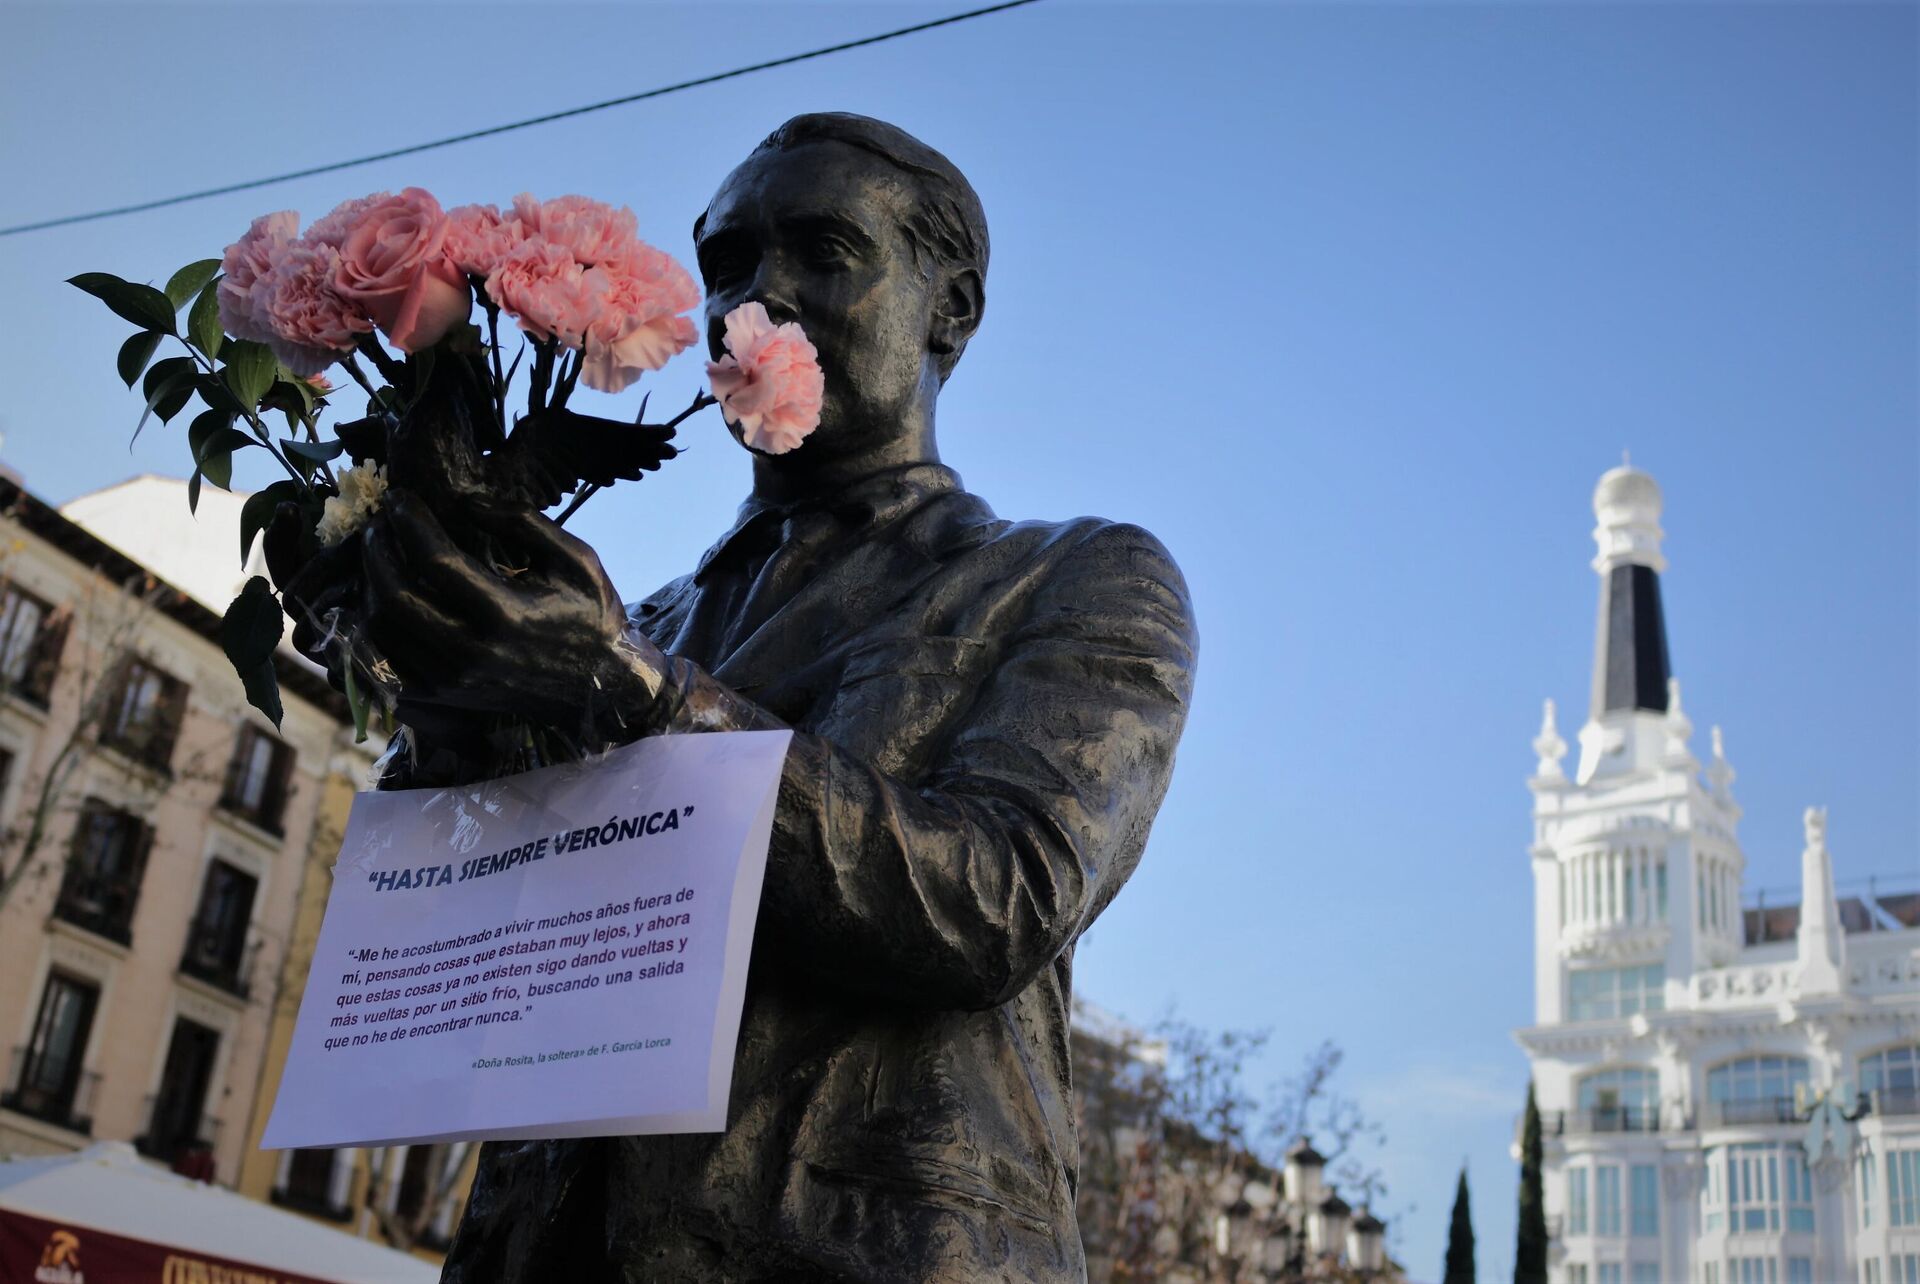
x=190, y=280
x=143, y=305
x=357, y=704
x=250, y=371
x=135, y=353
x=193, y=493
x=213, y=441
x=257, y=513
x=203, y=322
x=263, y=691
x=252, y=625
x=214, y=391
x=169, y=383
x=319, y=452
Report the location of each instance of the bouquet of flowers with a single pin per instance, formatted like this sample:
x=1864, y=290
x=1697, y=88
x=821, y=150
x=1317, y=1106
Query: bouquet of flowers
x=393, y=280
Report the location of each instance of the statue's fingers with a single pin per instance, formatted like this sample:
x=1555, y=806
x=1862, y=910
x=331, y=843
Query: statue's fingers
x=428, y=647
x=408, y=537
x=554, y=553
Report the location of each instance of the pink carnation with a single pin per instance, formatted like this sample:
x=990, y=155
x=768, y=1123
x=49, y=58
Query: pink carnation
x=769, y=383
x=591, y=231
x=640, y=328
x=551, y=295
x=332, y=229
x=246, y=261
x=309, y=325
x=393, y=264
x=478, y=238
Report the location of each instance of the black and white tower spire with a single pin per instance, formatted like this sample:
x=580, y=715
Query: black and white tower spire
x=1632, y=675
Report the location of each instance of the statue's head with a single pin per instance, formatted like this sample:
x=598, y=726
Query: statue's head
x=870, y=239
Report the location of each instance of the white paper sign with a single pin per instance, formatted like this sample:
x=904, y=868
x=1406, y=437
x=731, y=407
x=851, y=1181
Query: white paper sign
x=557, y=954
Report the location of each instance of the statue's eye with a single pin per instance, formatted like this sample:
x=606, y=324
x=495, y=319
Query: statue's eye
x=723, y=263
x=829, y=247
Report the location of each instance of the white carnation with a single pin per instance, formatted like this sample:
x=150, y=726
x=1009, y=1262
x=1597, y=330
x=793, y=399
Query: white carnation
x=361, y=489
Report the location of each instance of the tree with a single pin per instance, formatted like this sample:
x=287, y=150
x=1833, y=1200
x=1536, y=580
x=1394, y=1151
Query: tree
x=1530, y=1247
x=111, y=620
x=1460, y=1237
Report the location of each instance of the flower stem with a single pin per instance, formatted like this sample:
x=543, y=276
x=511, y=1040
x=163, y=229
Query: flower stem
x=359, y=375
x=543, y=350
x=700, y=402
x=389, y=369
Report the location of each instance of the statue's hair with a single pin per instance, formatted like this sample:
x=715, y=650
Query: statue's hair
x=947, y=226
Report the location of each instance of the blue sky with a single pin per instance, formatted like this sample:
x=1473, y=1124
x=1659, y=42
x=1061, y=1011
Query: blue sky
x=1350, y=304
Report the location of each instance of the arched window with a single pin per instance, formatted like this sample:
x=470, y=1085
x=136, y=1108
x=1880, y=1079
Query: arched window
x=1891, y=1079
x=1755, y=1090
x=1625, y=1099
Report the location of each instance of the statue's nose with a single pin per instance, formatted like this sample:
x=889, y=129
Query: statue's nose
x=773, y=288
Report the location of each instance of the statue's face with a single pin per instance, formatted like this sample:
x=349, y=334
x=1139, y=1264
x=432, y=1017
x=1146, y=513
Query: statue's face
x=815, y=235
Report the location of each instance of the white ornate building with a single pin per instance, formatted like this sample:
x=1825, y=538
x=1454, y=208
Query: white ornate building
x=1728, y=1095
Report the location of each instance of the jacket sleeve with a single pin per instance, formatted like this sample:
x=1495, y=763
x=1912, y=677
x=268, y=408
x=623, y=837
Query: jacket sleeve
x=957, y=891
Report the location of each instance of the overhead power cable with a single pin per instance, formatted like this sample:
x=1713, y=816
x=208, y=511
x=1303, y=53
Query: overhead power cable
x=528, y=123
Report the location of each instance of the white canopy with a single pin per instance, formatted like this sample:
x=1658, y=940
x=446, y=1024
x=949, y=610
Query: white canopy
x=109, y=1188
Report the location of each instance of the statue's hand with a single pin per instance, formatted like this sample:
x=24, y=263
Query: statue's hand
x=534, y=630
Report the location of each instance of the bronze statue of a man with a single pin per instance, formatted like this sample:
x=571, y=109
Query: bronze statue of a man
x=985, y=714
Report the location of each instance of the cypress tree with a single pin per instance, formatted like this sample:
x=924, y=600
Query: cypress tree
x=1460, y=1237
x=1530, y=1247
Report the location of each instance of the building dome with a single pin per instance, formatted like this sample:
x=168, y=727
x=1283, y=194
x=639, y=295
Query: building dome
x=1626, y=491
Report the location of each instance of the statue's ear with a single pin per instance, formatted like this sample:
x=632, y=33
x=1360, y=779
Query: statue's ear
x=956, y=312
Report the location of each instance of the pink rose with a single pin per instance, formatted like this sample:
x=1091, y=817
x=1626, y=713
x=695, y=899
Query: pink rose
x=639, y=328
x=478, y=238
x=552, y=296
x=769, y=383
x=245, y=262
x=393, y=264
x=591, y=231
x=309, y=325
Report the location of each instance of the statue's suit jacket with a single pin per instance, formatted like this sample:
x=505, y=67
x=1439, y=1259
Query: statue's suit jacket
x=985, y=716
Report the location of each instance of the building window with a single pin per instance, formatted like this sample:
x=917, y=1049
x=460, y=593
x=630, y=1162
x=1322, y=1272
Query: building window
x=1646, y=1199
x=1645, y=1273
x=1758, y=1186
x=178, y=1125
x=1609, y=1273
x=1576, y=1201
x=1799, y=1190
x=309, y=1184
x=1577, y=1273
x=1606, y=1199
x=144, y=714
x=1799, y=1270
x=1870, y=1270
x=1753, y=1270
x=1866, y=1188
x=31, y=637
x=1755, y=1090
x=1891, y=1080
x=217, y=938
x=1602, y=993
x=256, y=788
x=1621, y=1100
x=47, y=1080
x=1906, y=1268
x=1710, y=1273
x=1903, y=1188
x=104, y=868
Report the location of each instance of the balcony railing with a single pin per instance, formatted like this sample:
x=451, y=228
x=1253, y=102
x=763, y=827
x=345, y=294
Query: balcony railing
x=210, y=957
x=1894, y=1101
x=1600, y=1119
x=166, y=1141
x=101, y=903
x=1759, y=1110
x=71, y=1109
